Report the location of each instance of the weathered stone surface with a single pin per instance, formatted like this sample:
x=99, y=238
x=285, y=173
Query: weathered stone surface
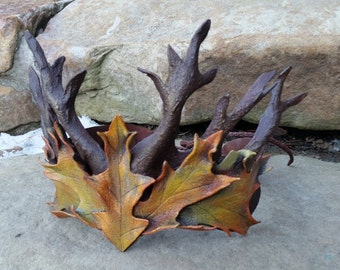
x=246, y=39
x=18, y=15
x=316, y=71
x=9, y=28
x=16, y=108
x=299, y=229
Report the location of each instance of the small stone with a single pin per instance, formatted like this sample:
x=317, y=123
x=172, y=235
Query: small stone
x=16, y=108
x=336, y=145
x=15, y=149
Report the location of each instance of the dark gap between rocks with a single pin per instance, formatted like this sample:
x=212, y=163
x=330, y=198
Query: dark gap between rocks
x=323, y=145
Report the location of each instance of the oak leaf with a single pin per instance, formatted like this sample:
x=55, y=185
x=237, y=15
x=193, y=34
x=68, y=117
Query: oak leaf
x=176, y=189
x=75, y=196
x=228, y=209
x=120, y=188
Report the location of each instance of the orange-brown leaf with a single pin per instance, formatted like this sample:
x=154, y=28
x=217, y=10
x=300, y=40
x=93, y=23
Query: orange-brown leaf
x=74, y=195
x=120, y=189
x=191, y=182
x=228, y=209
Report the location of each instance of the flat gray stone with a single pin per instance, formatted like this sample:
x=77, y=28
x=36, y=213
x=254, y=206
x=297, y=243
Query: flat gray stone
x=299, y=213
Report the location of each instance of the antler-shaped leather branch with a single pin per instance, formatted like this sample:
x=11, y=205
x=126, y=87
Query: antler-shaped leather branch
x=226, y=122
x=255, y=93
x=183, y=80
x=220, y=118
x=57, y=105
x=272, y=115
x=47, y=116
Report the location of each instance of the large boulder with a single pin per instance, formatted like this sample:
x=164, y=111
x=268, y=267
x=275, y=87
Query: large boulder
x=112, y=38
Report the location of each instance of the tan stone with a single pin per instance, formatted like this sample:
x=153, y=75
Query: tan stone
x=9, y=28
x=4, y=91
x=16, y=108
x=246, y=39
x=18, y=15
x=316, y=70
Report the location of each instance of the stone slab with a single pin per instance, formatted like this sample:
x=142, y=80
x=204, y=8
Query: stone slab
x=299, y=213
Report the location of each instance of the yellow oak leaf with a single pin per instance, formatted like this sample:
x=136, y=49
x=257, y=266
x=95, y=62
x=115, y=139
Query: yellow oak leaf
x=75, y=196
x=120, y=189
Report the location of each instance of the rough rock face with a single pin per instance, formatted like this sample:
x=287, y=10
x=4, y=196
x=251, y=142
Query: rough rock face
x=21, y=100
x=245, y=40
x=111, y=39
x=16, y=16
x=16, y=106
